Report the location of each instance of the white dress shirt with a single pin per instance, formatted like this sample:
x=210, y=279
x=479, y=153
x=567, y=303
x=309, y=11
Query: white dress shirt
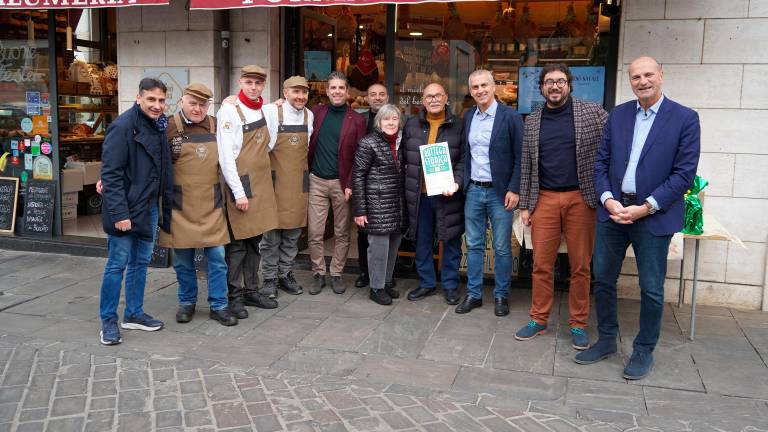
x=229, y=137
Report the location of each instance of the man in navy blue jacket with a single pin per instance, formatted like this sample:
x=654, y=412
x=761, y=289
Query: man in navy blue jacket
x=136, y=176
x=646, y=163
x=494, y=136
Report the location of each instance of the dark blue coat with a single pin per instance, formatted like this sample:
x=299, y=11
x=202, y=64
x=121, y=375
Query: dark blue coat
x=666, y=167
x=135, y=170
x=505, y=153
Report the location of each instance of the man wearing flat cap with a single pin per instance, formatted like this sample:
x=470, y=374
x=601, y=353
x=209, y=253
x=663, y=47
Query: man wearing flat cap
x=290, y=126
x=198, y=219
x=243, y=141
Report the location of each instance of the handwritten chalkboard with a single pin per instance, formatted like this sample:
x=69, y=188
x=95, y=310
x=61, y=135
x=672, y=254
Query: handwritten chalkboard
x=9, y=192
x=38, y=207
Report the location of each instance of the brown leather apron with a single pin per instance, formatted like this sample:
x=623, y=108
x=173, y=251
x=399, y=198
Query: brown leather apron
x=289, y=170
x=197, y=219
x=254, y=170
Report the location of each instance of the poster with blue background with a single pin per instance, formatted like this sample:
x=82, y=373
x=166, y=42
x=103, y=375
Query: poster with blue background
x=588, y=85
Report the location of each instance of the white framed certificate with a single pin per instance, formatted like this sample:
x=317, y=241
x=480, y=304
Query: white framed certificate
x=436, y=165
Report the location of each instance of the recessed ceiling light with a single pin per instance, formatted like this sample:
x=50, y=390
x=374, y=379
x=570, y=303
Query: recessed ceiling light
x=416, y=34
x=330, y=34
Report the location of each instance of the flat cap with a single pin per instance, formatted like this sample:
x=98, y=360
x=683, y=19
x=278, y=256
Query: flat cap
x=198, y=90
x=253, y=71
x=296, y=81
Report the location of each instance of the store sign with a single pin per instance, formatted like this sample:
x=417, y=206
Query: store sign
x=227, y=4
x=66, y=4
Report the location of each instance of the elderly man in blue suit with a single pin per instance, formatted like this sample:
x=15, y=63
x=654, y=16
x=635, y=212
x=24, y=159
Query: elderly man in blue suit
x=647, y=161
x=494, y=136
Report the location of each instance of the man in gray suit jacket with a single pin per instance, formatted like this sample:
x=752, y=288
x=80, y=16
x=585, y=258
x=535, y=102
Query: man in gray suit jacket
x=557, y=194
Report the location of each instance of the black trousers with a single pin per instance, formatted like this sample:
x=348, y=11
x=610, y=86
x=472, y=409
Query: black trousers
x=243, y=260
x=362, y=251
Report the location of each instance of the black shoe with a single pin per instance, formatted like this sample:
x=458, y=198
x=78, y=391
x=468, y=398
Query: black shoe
x=380, y=296
x=389, y=287
x=451, y=296
x=184, y=313
x=420, y=293
x=255, y=298
x=468, y=304
x=237, y=309
x=269, y=289
x=318, y=282
x=290, y=285
x=337, y=285
x=223, y=316
x=362, y=281
x=501, y=308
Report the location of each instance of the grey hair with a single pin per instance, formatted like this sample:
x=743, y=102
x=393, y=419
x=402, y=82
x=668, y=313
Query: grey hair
x=337, y=75
x=480, y=72
x=385, y=112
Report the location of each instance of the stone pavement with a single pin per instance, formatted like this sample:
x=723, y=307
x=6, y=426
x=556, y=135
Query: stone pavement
x=342, y=363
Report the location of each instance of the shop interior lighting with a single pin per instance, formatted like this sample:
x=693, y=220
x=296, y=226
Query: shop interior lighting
x=330, y=34
x=416, y=34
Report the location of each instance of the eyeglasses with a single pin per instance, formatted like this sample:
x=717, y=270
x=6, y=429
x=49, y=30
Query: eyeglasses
x=560, y=83
x=436, y=97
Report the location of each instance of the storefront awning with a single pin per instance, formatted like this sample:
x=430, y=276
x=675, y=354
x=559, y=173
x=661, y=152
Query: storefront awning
x=76, y=4
x=231, y=4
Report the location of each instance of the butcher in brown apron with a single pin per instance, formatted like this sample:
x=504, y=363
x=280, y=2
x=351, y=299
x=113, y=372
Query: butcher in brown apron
x=198, y=219
x=243, y=141
x=289, y=148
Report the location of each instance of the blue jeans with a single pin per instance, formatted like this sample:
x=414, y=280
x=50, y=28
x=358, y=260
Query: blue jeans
x=483, y=204
x=184, y=264
x=130, y=255
x=425, y=262
x=651, y=252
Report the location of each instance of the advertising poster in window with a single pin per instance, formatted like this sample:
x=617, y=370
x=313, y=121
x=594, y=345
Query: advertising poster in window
x=588, y=85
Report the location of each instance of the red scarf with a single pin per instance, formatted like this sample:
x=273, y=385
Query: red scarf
x=392, y=140
x=254, y=105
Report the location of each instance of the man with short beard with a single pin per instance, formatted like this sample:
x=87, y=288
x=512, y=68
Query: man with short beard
x=290, y=126
x=336, y=130
x=376, y=97
x=198, y=219
x=440, y=214
x=557, y=194
x=243, y=143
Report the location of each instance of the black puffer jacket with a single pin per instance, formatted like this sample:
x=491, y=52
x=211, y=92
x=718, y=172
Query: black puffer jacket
x=377, y=185
x=449, y=210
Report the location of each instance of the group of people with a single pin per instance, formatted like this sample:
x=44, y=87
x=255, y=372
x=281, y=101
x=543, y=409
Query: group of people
x=604, y=181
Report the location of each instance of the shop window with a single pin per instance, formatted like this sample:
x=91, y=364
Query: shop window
x=25, y=106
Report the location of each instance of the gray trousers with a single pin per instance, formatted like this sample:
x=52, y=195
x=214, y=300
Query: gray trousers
x=382, y=254
x=278, y=248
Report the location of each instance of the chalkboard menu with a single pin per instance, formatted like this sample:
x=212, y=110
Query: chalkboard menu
x=38, y=207
x=9, y=188
x=160, y=255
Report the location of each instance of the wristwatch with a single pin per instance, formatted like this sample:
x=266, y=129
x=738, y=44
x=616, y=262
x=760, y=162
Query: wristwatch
x=649, y=206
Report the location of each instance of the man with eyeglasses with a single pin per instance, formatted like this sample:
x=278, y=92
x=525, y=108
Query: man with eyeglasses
x=444, y=213
x=198, y=219
x=494, y=136
x=557, y=195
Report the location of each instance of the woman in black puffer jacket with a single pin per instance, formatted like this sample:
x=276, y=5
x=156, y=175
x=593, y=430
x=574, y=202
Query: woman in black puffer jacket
x=378, y=201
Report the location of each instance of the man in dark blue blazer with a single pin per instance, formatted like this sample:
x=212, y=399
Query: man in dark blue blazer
x=494, y=136
x=646, y=163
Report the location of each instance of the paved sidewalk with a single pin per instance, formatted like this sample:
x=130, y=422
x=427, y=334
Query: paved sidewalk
x=342, y=363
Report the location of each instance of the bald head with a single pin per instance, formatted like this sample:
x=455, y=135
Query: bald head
x=646, y=78
x=376, y=97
